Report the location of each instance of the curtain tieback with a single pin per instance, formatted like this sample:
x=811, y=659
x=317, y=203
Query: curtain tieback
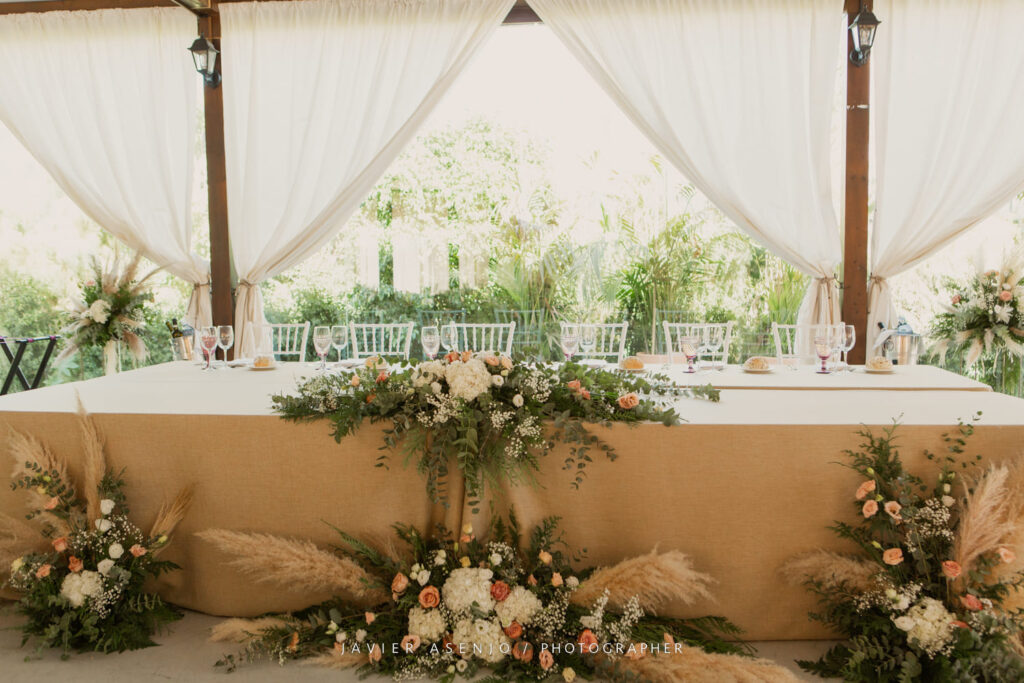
x=877, y=280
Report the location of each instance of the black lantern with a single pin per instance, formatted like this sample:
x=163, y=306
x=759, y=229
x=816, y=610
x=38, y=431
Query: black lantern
x=204, y=54
x=862, y=30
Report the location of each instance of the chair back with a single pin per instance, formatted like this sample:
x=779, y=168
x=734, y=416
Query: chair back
x=381, y=339
x=290, y=340
x=794, y=344
x=674, y=332
x=529, y=337
x=496, y=337
x=610, y=340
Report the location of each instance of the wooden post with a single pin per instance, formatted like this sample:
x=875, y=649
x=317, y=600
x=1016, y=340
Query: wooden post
x=855, y=238
x=220, y=244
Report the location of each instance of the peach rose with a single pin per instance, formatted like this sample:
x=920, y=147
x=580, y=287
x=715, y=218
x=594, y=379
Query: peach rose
x=429, y=597
x=1006, y=555
x=467, y=356
x=370, y=618
x=74, y=564
x=892, y=508
x=451, y=356
x=52, y=503
x=950, y=569
x=382, y=377
x=532, y=580
x=465, y=538
x=43, y=571
x=493, y=361
x=137, y=550
x=523, y=651
x=972, y=603
x=870, y=509
x=893, y=556
x=354, y=381
x=60, y=544
x=545, y=659
x=375, y=653
x=410, y=643
x=500, y=591
x=585, y=394
x=514, y=630
x=293, y=644
x=506, y=362
x=574, y=385
x=399, y=583
x=956, y=299
x=544, y=557
x=556, y=580
x=864, y=489
x=629, y=401
x=370, y=397
x=588, y=641
x=1005, y=296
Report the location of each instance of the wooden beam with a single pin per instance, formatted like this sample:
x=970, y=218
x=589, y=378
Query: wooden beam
x=855, y=235
x=216, y=171
x=72, y=5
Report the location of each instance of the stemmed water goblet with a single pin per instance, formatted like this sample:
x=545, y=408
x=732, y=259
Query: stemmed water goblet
x=688, y=346
x=430, y=337
x=588, y=339
x=714, y=338
x=322, y=344
x=450, y=337
x=570, y=341
x=225, y=340
x=339, y=339
x=208, y=342
x=848, y=339
x=823, y=348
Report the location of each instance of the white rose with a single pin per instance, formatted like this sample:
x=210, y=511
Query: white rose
x=461, y=665
x=435, y=387
x=416, y=568
x=17, y=564
x=106, y=506
x=423, y=577
x=361, y=635
x=104, y=566
x=116, y=550
x=517, y=400
x=495, y=559
x=904, y=623
x=498, y=380
x=439, y=559
x=103, y=525
x=340, y=636
x=946, y=488
x=948, y=501
x=903, y=604
x=572, y=582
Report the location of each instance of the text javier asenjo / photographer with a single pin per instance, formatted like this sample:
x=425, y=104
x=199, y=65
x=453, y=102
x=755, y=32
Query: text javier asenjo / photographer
x=633, y=650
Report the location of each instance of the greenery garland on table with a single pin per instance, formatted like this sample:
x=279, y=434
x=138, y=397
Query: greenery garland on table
x=495, y=417
x=458, y=606
x=930, y=595
x=80, y=564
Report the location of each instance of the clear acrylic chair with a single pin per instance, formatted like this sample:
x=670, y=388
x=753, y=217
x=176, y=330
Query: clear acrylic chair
x=496, y=337
x=289, y=340
x=702, y=331
x=392, y=340
x=610, y=340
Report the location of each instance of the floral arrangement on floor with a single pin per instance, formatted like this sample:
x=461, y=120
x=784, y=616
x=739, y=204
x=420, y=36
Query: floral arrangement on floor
x=79, y=562
x=930, y=596
x=456, y=607
x=489, y=415
x=985, y=314
x=110, y=312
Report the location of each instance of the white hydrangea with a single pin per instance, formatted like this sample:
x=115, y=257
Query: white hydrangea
x=521, y=605
x=78, y=587
x=481, y=638
x=428, y=624
x=427, y=373
x=933, y=626
x=468, y=380
x=467, y=586
x=104, y=566
x=99, y=311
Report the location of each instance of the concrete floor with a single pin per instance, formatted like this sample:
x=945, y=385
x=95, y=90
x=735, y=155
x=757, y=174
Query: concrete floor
x=186, y=655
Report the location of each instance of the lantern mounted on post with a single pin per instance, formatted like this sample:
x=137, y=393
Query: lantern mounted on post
x=204, y=55
x=862, y=31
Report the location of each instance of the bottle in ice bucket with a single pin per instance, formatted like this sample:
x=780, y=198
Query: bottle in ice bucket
x=905, y=344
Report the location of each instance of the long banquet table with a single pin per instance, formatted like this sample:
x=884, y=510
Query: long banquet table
x=741, y=486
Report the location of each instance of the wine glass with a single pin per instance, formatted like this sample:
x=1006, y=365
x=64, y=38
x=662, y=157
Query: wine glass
x=450, y=337
x=225, y=340
x=588, y=339
x=688, y=346
x=713, y=340
x=322, y=344
x=570, y=341
x=849, y=340
x=430, y=337
x=208, y=340
x=339, y=339
x=823, y=348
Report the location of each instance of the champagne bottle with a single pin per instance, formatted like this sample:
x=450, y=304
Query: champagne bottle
x=175, y=330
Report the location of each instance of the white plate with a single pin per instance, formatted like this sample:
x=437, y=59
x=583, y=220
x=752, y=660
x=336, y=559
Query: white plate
x=594, y=362
x=269, y=367
x=633, y=370
x=754, y=371
x=350, y=363
x=872, y=371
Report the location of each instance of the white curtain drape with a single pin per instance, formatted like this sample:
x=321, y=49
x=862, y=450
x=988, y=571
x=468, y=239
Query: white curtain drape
x=105, y=100
x=949, y=125
x=738, y=95
x=319, y=97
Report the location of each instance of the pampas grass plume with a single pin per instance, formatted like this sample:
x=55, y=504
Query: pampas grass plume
x=654, y=579
x=94, y=462
x=172, y=513
x=830, y=569
x=693, y=665
x=243, y=630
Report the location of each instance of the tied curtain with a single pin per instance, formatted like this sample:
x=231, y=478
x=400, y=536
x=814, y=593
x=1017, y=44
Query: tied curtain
x=105, y=100
x=320, y=96
x=738, y=95
x=949, y=124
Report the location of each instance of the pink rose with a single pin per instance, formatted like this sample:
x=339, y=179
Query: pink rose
x=893, y=508
x=74, y=564
x=60, y=544
x=52, y=503
x=410, y=643
x=500, y=591
x=514, y=630
x=951, y=569
x=893, y=556
x=399, y=583
x=429, y=597
x=870, y=509
x=523, y=651
x=1006, y=555
x=585, y=394
x=588, y=641
x=574, y=385
x=43, y=571
x=545, y=659
x=382, y=377
x=451, y=356
x=629, y=401
x=1005, y=295
x=972, y=603
x=137, y=550
x=956, y=299
x=864, y=489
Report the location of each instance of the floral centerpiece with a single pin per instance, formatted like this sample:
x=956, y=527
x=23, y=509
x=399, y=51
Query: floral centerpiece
x=459, y=605
x=985, y=314
x=930, y=594
x=80, y=563
x=492, y=416
x=109, y=313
